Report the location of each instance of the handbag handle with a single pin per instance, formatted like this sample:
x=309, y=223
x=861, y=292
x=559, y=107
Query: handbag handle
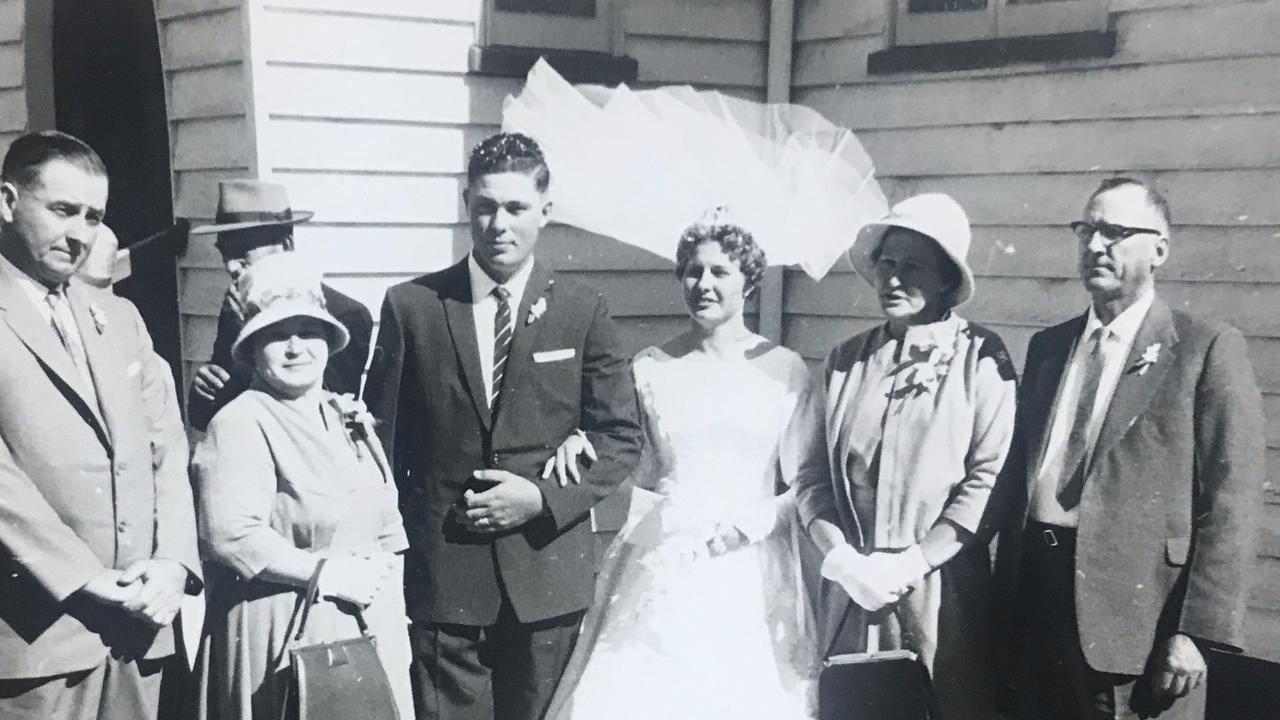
x=308, y=600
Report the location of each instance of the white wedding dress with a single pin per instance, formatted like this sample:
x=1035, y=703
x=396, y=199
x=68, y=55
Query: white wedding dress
x=678, y=631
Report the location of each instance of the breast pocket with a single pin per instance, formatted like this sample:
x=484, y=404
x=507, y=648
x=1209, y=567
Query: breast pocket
x=557, y=375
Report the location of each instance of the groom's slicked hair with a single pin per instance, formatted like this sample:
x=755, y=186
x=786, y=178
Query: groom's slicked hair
x=509, y=152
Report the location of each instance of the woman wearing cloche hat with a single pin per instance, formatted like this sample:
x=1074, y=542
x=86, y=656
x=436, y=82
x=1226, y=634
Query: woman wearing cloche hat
x=905, y=437
x=289, y=474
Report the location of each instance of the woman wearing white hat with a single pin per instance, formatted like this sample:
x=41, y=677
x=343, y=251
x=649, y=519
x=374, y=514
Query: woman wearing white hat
x=903, y=441
x=290, y=474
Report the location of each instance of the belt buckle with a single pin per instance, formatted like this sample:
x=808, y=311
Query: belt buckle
x=1050, y=538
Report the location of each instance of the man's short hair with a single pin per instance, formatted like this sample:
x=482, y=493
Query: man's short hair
x=1154, y=198
x=509, y=152
x=34, y=150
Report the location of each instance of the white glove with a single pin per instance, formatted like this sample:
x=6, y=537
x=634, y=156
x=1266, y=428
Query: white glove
x=898, y=572
x=851, y=570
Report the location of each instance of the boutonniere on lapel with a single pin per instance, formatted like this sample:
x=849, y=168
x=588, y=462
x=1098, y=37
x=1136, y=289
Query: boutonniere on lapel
x=539, y=306
x=99, y=318
x=1150, y=357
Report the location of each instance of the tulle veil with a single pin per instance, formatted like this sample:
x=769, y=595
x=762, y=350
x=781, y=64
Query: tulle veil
x=642, y=165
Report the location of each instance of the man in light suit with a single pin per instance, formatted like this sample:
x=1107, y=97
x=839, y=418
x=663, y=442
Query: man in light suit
x=479, y=372
x=97, y=526
x=1136, y=473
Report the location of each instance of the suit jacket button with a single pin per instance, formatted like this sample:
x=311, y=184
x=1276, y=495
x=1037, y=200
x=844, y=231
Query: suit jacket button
x=122, y=526
x=495, y=459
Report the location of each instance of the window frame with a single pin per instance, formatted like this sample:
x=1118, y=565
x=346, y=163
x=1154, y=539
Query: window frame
x=999, y=20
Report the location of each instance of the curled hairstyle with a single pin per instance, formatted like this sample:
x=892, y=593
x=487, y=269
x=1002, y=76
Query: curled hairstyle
x=733, y=239
x=34, y=150
x=1154, y=198
x=509, y=152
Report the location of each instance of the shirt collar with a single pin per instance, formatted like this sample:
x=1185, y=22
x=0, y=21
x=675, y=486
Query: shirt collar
x=32, y=288
x=482, y=285
x=1125, y=325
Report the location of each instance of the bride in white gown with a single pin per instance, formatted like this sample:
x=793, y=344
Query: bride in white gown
x=700, y=608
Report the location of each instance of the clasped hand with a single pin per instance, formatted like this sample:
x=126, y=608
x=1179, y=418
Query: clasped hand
x=150, y=590
x=510, y=503
x=877, y=580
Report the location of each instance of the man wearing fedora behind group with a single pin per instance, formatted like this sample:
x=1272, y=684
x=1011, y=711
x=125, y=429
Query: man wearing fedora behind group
x=254, y=220
x=1136, y=469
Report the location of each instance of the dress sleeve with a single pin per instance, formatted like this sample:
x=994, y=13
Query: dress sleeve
x=995, y=392
x=802, y=453
x=235, y=477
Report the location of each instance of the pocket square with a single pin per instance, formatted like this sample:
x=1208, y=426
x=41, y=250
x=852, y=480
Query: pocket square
x=554, y=355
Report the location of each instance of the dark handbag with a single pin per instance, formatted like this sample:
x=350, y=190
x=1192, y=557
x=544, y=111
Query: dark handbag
x=339, y=680
x=884, y=685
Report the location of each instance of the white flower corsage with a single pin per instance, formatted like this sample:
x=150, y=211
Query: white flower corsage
x=99, y=318
x=1149, y=357
x=536, y=310
x=359, y=423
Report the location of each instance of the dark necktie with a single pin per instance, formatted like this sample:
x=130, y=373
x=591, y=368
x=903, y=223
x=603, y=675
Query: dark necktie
x=503, y=329
x=1075, y=455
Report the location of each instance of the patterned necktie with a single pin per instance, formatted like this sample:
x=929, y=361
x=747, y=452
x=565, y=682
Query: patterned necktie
x=503, y=329
x=1075, y=455
x=60, y=318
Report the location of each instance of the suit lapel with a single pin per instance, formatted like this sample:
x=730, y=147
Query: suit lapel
x=30, y=327
x=1135, y=388
x=526, y=333
x=104, y=359
x=460, y=316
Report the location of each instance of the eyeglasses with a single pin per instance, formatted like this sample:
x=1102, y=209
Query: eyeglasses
x=1111, y=234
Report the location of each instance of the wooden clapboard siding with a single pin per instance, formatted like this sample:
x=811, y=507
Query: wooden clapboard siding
x=204, y=54
x=13, y=91
x=1188, y=102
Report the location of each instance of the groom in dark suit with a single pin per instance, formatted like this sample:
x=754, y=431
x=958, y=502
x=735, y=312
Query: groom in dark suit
x=479, y=372
x=1137, y=470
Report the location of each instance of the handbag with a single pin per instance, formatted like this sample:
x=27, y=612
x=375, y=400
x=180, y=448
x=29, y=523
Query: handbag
x=338, y=680
x=880, y=685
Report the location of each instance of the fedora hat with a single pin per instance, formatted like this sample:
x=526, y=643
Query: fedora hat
x=279, y=287
x=934, y=215
x=244, y=204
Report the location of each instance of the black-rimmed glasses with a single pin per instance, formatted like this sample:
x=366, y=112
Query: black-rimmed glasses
x=1111, y=233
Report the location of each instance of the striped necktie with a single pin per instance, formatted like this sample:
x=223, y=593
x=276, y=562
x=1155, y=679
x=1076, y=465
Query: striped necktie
x=503, y=329
x=1071, y=483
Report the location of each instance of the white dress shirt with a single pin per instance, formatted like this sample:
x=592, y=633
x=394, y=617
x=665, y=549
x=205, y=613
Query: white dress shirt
x=1116, y=343
x=484, y=308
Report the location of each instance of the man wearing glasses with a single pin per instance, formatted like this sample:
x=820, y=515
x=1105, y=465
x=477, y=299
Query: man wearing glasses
x=1135, y=476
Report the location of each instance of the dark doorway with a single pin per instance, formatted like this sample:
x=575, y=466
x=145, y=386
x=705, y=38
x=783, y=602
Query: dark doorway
x=109, y=91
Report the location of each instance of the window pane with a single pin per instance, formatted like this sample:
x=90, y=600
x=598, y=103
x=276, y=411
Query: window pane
x=579, y=8
x=927, y=6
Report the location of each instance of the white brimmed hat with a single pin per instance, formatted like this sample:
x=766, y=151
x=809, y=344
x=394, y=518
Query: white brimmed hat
x=934, y=215
x=279, y=287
